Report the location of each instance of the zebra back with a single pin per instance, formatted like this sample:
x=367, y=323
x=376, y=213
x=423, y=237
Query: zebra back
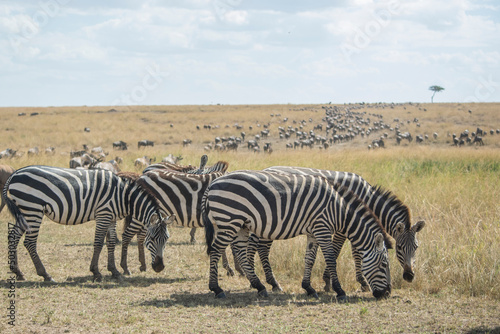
x=387, y=207
x=179, y=193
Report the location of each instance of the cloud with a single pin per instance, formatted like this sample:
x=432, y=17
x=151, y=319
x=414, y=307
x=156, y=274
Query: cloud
x=279, y=51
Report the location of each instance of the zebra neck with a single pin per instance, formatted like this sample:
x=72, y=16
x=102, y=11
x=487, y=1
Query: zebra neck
x=388, y=213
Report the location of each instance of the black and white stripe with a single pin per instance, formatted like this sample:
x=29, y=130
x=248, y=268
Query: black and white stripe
x=392, y=213
x=178, y=194
x=69, y=196
x=282, y=206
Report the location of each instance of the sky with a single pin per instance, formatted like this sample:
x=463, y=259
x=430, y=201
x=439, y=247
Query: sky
x=161, y=52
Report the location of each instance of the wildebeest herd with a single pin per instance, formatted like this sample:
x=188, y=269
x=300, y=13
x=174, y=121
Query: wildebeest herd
x=362, y=124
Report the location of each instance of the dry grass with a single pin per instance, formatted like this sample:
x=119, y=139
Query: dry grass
x=457, y=285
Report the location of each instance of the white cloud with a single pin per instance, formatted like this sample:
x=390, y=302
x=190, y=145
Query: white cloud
x=280, y=51
x=238, y=17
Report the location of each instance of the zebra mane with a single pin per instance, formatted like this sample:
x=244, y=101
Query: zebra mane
x=219, y=166
x=350, y=196
x=135, y=179
x=393, y=202
x=168, y=166
x=129, y=177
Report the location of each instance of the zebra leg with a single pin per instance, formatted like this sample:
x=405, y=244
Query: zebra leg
x=240, y=246
x=14, y=237
x=264, y=248
x=338, y=242
x=128, y=233
x=310, y=258
x=192, y=234
x=111, y=243
x=237, y=265
x=100, y=233
x=30, y=243
x=324, y=238
x=365, y=287
x=225, y=263
x=141, y=236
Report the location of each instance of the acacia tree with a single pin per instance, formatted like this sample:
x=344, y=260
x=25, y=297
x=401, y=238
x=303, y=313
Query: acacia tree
x=435, y=89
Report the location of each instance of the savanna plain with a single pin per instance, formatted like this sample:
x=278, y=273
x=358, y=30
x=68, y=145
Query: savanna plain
x=455, y=189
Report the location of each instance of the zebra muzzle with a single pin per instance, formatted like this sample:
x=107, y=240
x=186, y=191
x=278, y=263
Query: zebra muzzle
x=158, y=264
x=408, y=276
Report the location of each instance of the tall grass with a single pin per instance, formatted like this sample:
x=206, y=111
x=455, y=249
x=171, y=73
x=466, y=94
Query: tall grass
x=455, y=190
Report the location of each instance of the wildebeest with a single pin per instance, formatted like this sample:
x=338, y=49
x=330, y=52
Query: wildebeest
x=84, y=161
x=111, y=165
x=143, y=162
x=170, y=158
x=33, y=151
x=120, y=145
x=8, y=153
x=5, y=172
x=145, y=143
x=50, y=150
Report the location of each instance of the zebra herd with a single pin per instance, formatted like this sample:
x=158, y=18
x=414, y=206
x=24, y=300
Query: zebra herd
x=245, y=209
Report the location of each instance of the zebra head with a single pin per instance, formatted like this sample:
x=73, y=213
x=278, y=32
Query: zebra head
x=406, y=246
x=376, y=268
x=156, y=238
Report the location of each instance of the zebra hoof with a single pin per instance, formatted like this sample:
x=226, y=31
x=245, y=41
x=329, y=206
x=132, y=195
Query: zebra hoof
x=263, y=293
x=97, y=279
x=277, y=289
x=20, y=278
x=117, y=277
x=327, y=288
x=342, y=299
x=126, y=272
x=49, y=279
x=220, y=295
x=315, y=295
x=142, y=268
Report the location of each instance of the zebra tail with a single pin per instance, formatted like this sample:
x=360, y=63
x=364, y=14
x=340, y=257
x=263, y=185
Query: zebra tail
x=21, y=222
x=209, y=227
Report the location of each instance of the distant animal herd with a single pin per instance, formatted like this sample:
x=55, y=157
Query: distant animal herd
x=338, y=125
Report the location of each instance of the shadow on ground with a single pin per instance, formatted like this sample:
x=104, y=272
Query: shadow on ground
x=242, y=299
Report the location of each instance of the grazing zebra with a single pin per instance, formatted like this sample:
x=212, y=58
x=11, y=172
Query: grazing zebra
x=69, y=196
x=185, y=169
x=177, y=194
x=392, y=213
x=282, y=206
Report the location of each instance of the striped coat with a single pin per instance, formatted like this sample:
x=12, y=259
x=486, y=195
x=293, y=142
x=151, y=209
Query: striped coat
x=392, y=213
x=70, y=197
x=278, y=206
x=178, y=194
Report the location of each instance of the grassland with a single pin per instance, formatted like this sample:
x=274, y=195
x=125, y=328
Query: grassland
x=454, y=189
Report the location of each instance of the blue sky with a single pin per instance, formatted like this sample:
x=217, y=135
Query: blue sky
x=69, y=52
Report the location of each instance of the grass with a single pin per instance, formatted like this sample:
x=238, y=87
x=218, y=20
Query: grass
x=455, y=190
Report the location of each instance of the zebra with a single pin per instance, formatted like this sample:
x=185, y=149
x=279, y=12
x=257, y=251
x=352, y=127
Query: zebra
x=188, y=170
x=69, y=196
x=282, y=206
x=392, y=213
x=178, y=194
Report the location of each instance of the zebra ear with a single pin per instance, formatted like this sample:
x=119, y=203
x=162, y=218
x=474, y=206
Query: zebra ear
x=379, y=242
x=169, y=220
x=154, y=219
x=400, y=228
x=418, y=226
